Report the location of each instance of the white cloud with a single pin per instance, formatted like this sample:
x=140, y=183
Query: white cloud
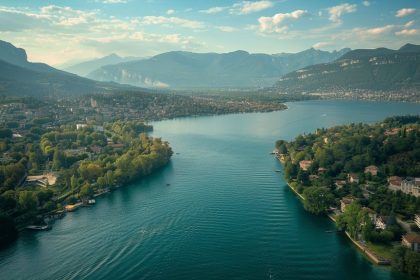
x=405, y=12
x=407, y=32
x=248, y=7
x=274, y=24
x=366, y=3
x=410, y=23
x=225, y=28
x=170, y=21
x=213, y=10
x=337, y=11
x=114, y=1
x=241, y=8
x=55, y=34
x=320, y=45
x=170, y=12
x=369, y=32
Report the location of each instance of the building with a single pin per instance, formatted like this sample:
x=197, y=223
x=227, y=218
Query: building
x=322, y=170
x=117, y=146
x=411, y=241
x=353, y=178
x=371, y=213
x=80, y=126
x=44, y=180
x=411, y=186
x=392, y=132
x=313, y=177
x=394, y=183
x=417, y=220
x=381, y=222
x=372, y=169
x=340, y=183
x=345, y=202
x=305, y=164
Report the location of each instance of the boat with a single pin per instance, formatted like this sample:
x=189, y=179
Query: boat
x=91, y=201
x=34, y=227
x=168, y=184
x=329, y=231
x=278, y=171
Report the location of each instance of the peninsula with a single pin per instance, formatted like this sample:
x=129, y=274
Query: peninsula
x=366, y=178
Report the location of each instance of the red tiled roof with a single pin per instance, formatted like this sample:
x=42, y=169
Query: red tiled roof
x=412, y=238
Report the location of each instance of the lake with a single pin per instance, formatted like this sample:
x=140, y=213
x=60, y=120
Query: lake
x=217, y=211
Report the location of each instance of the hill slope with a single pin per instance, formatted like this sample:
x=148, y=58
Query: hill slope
x=374, y=69
x=237, y=69
x=18, y=76
x=84, y=68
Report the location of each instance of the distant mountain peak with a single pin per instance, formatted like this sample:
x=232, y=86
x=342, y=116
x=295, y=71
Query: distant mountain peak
x=410, y=48
x=12, y=54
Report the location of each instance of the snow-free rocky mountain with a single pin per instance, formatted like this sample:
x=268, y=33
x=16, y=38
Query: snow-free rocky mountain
x=238, y=69
x=366, y=69
x=84, y=68
x=18, y=76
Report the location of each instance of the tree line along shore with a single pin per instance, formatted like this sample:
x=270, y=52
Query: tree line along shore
x=47, y=171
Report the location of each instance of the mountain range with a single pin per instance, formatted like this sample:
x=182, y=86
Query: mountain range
x=379, y=69
x=84, y=68
x=365, y=69
x=238, y=69
x=18, y=76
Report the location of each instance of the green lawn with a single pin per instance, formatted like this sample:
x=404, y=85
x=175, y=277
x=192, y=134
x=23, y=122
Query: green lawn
x=381, y=249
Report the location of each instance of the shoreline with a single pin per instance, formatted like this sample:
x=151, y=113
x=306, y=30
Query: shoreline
x=378, y=260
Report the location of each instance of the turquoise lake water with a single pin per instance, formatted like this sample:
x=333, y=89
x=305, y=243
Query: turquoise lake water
x=225, y=215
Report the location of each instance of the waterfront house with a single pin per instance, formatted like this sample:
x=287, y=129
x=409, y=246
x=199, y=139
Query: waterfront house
x=371, y=213
x=353, y=178
x=381, y=222
x=412, y=241
x=345, y=201
x=417, y=220
x=394, y=183
x=305, y=164
x=411, y=186
x=372, y=169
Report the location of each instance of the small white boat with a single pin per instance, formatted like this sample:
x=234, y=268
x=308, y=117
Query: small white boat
x=91, y=201
x=44, y=227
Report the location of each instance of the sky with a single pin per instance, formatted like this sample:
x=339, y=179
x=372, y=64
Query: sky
x=59, y=32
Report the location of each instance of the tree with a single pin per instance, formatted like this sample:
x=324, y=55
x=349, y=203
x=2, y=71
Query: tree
x=86, y=191
x=58, y=159
x=27, y=200
x=291, y=170
x=303, y=177
x=354, y=219
x=397, y=258
x=317, y=199
x=73, y=183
